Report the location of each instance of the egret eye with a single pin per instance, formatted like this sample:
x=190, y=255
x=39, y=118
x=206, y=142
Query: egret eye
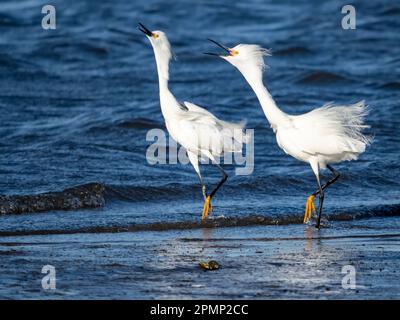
x=155, y=35
x=233, y=52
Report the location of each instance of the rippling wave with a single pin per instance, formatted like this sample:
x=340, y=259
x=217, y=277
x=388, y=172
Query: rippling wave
x=85, y=196
x=322, y=77
x=217, y=222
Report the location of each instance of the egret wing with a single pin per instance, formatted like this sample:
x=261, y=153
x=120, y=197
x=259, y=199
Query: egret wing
x=330, y=130
x=200, y=131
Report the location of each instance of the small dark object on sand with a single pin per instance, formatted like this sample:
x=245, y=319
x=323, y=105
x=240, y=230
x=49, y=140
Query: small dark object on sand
x=210, y=265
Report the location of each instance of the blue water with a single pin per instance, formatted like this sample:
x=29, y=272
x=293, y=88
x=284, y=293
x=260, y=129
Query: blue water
x=76, y=104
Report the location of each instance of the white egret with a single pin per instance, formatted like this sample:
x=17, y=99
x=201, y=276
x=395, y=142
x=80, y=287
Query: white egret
x=326, y=135
x=196, y=129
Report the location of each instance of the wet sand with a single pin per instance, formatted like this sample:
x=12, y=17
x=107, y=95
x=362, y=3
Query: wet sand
x=257, y=262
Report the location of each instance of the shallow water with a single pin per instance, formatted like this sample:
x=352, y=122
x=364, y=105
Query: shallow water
x=76, y=104
x=274, y=262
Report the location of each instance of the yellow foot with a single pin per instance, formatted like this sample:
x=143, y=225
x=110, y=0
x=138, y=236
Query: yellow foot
x=206, y=208
x=310, y=208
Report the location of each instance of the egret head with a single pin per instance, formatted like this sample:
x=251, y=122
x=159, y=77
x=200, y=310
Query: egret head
x=158, y=40
x=248, y=58
x=161, y=47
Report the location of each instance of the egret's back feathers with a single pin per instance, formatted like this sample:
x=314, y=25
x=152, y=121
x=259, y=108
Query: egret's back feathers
x=202, y=131
x=331, y=133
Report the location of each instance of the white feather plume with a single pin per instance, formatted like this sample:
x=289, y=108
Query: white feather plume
x=253, y=54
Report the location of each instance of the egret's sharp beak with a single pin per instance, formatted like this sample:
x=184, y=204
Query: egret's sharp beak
x=146, y=31
x=226, y=49
x=220, y=45
x=212, y=54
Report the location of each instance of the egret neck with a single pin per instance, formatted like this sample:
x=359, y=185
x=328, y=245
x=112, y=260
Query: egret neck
x=167, y=100
x=274, y=115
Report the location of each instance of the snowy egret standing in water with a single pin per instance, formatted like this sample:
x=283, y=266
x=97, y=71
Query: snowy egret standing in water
x=326, y=135
x=196, y=129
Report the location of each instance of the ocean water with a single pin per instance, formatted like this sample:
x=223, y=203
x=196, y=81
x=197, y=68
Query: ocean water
x=77, y=102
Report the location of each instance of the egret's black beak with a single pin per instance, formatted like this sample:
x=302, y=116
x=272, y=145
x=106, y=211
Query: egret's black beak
x=146, y=31
x=226, y=49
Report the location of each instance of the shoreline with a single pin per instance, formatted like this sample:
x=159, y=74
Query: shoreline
x=256, y=262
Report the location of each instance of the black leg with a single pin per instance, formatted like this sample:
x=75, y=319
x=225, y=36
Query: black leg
x=224, y=177
x=329, y=182
x=321, y=202
x=320, y=191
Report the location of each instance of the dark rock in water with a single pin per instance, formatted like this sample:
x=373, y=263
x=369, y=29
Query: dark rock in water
x=89, y=195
